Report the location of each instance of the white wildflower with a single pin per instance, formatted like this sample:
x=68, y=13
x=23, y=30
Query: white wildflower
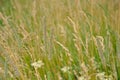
x=65, y=69
x=101, y=76
x=81, y=78
x=37, y=64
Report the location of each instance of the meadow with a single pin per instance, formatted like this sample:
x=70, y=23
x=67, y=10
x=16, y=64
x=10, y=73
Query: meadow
x=59, y=40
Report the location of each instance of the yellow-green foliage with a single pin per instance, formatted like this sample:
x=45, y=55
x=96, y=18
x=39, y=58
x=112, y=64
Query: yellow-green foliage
x=60, y=40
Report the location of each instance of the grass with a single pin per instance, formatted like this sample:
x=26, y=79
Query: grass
x=59, y=40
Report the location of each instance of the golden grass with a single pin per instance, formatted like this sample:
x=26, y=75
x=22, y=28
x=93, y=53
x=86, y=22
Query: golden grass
x=60, y=40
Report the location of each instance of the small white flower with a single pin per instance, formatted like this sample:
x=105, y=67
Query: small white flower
x=37, y=64
x=81, y=78
x=65, y=69
x=101, y=75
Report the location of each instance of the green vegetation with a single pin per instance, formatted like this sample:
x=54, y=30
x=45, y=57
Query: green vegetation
x=59, y=40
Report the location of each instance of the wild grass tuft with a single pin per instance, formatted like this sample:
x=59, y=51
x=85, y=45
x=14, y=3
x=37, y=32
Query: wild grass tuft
x=59, y=40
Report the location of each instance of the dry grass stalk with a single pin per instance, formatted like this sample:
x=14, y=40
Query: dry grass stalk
x=99, y=42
